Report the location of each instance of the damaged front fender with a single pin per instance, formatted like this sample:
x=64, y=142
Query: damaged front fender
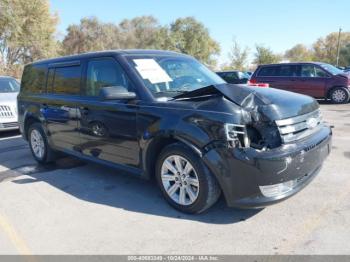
x=241, y=172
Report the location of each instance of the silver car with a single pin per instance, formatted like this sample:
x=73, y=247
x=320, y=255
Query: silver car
x=9, y=88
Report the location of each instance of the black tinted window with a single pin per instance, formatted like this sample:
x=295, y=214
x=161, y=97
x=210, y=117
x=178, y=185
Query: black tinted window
x=320, y=72
x=34, y=78
x=268, y=71
x=312, y=71
x=50, y=78
x=287, y=70
x=67, y=80
x=103, y=73
x=232, y=76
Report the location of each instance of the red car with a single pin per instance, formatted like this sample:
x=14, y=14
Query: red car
x=318, y=80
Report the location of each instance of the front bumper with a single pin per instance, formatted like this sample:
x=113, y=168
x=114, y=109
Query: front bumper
x=241, y=172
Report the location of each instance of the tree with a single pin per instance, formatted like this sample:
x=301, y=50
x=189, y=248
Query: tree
x=345, y=56
x=238, y=56
x=264, y=55
x=299, y=53
x=140, y=32
x=91, y=35
x=191, y=37
x=325, y=48
x=27, y=33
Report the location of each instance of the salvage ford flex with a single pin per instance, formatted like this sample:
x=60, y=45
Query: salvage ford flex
x=164, y=115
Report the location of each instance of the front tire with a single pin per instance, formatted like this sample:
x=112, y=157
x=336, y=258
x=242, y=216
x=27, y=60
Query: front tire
x=39, y=146
x=339, y=95
x=186, y=183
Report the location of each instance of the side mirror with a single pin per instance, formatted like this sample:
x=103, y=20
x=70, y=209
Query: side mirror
x=116, y=93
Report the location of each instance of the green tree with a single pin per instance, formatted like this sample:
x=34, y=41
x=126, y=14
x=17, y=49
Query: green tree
x=91, y=35
x=345, y=56
x=238, y=56
x=299, y=53
x=27, y=33
x=140, y=32
x=264, y=55
x=325, y=48
x=191, y=37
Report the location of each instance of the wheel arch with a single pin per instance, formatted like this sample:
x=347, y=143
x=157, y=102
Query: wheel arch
x=328, y=95
x=152, y=151
x=29, y=120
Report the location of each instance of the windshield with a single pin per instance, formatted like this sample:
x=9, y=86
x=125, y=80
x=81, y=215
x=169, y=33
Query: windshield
x=167, y=76
x=331, y=69
x=8, y=85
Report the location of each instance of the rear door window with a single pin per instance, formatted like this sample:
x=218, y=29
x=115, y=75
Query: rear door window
x=287, y=70
x=67, y=80
x=269, y=71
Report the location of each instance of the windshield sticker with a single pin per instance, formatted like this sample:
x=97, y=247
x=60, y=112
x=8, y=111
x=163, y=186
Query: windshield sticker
x=151, y=70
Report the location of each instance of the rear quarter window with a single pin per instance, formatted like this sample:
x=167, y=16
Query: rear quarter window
x=34, y=79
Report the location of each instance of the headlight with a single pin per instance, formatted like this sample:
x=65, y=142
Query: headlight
x=237, y=134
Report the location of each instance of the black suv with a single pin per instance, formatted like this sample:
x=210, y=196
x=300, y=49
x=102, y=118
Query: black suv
x=163, y=114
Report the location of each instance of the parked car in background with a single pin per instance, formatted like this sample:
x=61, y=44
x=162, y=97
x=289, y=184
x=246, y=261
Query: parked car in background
x=318, y=80
x=234, y=77
x=165, y=115
x=9, y=88
x=249, y=73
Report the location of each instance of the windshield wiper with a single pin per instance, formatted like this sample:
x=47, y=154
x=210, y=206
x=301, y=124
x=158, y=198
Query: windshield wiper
x=172, y=91
x=200, y=92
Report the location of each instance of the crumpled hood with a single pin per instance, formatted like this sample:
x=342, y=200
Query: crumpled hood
x=273, y=103
x=8, y=98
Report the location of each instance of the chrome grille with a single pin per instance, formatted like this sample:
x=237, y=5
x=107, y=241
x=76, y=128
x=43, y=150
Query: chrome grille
x=5, y=111
x=9, y=125
x=298, y=127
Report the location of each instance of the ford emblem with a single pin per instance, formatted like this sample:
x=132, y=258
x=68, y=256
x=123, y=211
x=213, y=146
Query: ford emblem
x=311, y=123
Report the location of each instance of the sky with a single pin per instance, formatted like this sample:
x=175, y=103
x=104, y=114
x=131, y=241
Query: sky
x=278, y=24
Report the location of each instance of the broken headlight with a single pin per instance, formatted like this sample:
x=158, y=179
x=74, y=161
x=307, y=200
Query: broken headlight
x=237, y=135
x=244, y=136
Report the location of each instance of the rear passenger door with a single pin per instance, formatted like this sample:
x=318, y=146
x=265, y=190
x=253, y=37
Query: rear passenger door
x=59, y=106
x=108, y=128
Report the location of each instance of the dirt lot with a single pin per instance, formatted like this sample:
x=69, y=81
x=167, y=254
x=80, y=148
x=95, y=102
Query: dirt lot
x=77, y=208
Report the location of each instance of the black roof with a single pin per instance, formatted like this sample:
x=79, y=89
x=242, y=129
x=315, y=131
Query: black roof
x=294, y=63
x=109, y=53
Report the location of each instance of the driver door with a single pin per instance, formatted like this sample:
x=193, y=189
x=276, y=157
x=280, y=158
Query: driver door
x=108, y=128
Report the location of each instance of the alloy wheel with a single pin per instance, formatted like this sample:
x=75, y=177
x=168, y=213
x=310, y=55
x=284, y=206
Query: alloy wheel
x=338, y=96
x=180, y=180
x=37, y=143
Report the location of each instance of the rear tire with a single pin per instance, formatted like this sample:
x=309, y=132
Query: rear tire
x=339, y=95
x=41, y=150
x=185, y=181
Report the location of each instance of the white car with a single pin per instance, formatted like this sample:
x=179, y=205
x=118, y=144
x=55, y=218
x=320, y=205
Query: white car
x=9, y=88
